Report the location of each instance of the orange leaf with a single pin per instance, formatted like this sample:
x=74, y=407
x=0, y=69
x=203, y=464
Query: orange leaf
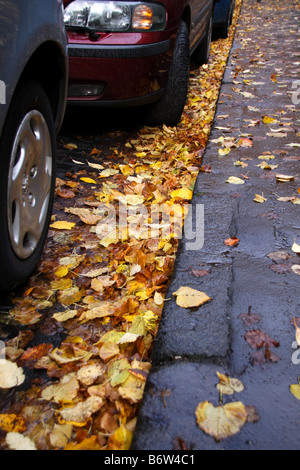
x=231, y=241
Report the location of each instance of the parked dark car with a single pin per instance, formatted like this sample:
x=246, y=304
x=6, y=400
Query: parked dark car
x=126, y=53
x=33, y=89
x=223, y=13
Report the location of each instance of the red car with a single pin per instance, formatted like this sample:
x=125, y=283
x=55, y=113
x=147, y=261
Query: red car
x=129, y=53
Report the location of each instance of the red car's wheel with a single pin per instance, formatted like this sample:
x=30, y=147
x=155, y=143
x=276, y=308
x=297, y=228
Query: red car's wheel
x=168, y=109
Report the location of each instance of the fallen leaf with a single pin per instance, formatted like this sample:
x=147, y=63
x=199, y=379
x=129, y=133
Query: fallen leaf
x=12, y=423
x=295, y=390
x=259, y=198
x=233, y=241
x=10, y=374
x=183, y=193
x=82, y=410
x=16, y=441
x=296, y=269
x=284, y=178
x=221, y=421
x=259, y=339
x=70, y=146
x=88, y=180
x=120, y=440
x=63, y=225
x=269, y=120
x=235, y=180
x=66, y=193
x=64, y=316
x=63, y=392
x=296, y=248
x=228, y=385
x=250, y=318
x=187, y=297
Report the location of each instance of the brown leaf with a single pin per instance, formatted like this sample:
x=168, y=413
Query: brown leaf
x=259, y=339
x=31, y=355
x=250, y=318
x=65, y=193
x=200, y=272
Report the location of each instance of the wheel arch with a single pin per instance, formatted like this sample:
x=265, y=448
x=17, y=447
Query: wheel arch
x=48, y=65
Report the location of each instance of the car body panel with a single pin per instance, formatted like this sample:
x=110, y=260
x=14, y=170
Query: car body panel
x=132, y=67
x=20, y=38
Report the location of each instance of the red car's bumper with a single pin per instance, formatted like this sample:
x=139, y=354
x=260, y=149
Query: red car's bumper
x=119, y=69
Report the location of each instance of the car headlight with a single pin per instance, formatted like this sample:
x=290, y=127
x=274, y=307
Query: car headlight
x=115, y=16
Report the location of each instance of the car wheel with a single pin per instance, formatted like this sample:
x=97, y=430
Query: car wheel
x=27, y=179
x=169, y=108
x=224, y=30
x=201, y=53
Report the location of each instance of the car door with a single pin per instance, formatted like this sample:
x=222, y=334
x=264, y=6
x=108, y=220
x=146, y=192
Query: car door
x=200, y=11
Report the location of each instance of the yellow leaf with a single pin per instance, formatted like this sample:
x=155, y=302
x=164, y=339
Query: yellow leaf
x=126, y=170
x=295, y=390
x=88, y=180
x=63, y=225
x=62, y=271
x=235, y=180
x=268, y=120
x=259, y=198
x=228, y=385
x=221, y=421
x=183, y=193
x=63, y=392
x=266, y=166
x=188, y=297
x=12, y=423
x=120, y=440
x=224, y=151
x=64, y=316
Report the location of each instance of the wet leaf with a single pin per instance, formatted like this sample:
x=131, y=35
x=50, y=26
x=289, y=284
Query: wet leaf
x=296, y=248
x=250, y=318
x=12, y=423
x=183, y=193
x=82, y=411
x=17, y=441
x=228, y=385
x=259, y=339
x=221, y=421
x=120, y=440
x=235, y=180
x=233, y=241
x=10, y=374
x=88, y=180
x=63, y=392
x=187, y=297
x=259, y=198
x=63, y=225
x=295, y=390
x=284, y=178
x=269, y=120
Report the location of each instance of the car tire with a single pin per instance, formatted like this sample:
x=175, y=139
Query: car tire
x=169, y=108
x=224, y=30
x=201, y=53
x=27, y=182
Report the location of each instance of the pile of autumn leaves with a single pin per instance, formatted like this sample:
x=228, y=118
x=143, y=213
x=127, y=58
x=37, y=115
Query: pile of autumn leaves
x=105, y=295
